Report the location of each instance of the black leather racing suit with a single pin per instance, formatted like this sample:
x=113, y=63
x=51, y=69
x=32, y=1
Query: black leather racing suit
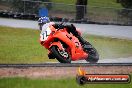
x=71, y=28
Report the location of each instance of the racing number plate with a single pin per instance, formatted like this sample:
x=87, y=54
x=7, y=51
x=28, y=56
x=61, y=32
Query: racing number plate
x=45, y=34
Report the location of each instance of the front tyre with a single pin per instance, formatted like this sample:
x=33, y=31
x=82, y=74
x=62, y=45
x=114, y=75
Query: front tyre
x=61, y=55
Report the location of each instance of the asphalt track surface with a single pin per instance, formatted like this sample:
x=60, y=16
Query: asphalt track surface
x=62, y=65
x=114, y=31
x=123, y=32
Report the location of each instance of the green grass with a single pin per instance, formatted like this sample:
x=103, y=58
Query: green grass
x=105, y=3
x=100, y=3
x=111, y=47
x=52, y=83
x=22, y=46
x=97, y=10
x=64, y=1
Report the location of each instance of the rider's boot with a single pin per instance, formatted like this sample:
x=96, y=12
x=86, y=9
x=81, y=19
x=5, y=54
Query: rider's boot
x=86, y=45
x=81, y=39
x=76, y=34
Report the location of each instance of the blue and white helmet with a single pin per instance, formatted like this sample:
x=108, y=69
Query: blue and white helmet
x=43, y=20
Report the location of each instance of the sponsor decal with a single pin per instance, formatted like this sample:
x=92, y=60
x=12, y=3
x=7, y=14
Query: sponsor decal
x=85, y=78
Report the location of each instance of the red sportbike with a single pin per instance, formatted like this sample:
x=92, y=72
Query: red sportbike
x=65, y=47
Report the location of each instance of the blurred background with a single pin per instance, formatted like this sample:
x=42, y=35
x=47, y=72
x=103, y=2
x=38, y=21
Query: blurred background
x=80, y=11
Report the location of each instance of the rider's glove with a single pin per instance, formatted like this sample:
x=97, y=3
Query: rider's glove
x=58, y=26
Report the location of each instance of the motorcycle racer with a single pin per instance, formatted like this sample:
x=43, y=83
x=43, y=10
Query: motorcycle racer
x=44, y=23
x=64, y=42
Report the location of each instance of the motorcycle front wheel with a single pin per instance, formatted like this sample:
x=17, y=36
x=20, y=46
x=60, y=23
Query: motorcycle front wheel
x=61, y=55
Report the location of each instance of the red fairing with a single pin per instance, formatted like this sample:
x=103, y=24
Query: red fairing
x=64, y=43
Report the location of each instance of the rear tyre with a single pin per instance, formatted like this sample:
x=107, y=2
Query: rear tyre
x=93, y=56
x=61, y=55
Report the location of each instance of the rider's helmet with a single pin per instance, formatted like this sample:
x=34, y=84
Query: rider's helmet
x=42, y=21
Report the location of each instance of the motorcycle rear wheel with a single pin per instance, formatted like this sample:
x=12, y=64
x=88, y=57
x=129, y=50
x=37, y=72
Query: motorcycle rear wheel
x=61, y=56
x=93, y=56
